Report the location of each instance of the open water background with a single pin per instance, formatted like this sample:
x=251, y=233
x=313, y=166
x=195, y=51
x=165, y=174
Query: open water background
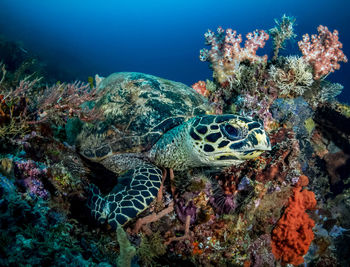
x=79, y=38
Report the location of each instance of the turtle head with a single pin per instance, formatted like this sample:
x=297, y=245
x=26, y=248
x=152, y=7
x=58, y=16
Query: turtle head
x=223, y=140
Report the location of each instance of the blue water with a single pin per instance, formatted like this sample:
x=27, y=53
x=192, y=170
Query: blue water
x=78, y=38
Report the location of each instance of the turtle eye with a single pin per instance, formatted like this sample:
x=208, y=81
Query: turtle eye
x=232, y=133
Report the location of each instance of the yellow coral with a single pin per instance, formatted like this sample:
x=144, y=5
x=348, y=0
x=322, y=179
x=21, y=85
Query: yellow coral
x=91, y=81
x=309, y=125
x=17, y=127
x=344, y=109
x=6, y=167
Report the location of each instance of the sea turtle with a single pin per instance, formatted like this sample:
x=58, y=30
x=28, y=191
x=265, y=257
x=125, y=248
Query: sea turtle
x=152, y=123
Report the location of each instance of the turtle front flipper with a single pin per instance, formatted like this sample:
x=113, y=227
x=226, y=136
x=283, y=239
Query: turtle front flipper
x=138, y=188
x=97, y=204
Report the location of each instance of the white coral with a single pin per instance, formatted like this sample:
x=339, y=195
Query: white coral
x=294, y=78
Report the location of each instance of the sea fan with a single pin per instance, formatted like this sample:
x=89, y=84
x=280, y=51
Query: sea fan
x=329, y=91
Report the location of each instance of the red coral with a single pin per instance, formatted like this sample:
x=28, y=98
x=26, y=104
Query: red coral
x=283, y=161
x=200, y=87
x=293, y=234
x=323, y=51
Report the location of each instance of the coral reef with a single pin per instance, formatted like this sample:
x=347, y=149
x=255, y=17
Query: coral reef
x=257, y=213
x=32, y=232
x=30, y=174
x=31, y=105
x=65, y=100
x=246, y=84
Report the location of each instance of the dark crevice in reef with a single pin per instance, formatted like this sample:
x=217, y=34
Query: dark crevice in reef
x=335, y=127
x=105, y=179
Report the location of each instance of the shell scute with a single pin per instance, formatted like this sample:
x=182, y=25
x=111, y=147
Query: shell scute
x=138, y=108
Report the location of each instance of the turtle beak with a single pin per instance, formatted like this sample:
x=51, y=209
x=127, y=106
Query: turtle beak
x=256, y=150
x=262, y=139
x=259, y=142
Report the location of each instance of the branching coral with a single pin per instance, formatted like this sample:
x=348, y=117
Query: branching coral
x=28, y=105
x=238, y=71
x=61, y=101
x=14, y=110
x=244, y=83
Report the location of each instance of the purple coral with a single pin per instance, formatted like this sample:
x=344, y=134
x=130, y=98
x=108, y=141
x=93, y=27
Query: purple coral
x=30, y=174
x=257, y=105
x=36, y=188
x=223, y=203
x=184, y=209
x=29, y=168
x=244, y=184
x=260, y=251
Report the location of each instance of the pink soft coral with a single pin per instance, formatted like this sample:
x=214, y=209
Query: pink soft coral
x=31, y=173
x=323, y=52
x=226, y=52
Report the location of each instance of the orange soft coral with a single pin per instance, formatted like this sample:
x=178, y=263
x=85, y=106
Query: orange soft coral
x=293, y=234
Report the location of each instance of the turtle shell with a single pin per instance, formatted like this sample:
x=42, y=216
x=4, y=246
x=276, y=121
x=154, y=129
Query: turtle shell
x=138, y=108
